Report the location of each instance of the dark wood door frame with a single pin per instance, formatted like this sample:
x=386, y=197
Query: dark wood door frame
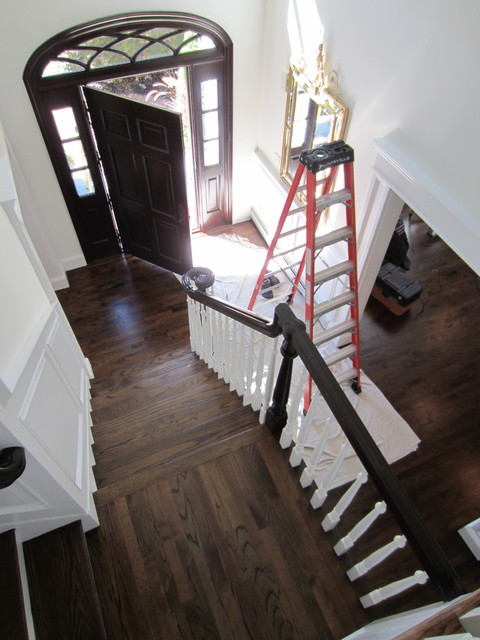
x=91, y=215
x=142, y=155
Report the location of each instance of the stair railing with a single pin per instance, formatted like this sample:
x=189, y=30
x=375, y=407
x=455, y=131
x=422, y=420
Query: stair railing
x=12, y=465
x=243, y=360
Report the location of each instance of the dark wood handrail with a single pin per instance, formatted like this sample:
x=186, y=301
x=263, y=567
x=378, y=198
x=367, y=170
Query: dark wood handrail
x=426, y=547
x=12, y=465
x=248, y=318
x=429, y=552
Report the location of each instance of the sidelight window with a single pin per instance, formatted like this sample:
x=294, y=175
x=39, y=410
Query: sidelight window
x=210, y=122
x=74, y=151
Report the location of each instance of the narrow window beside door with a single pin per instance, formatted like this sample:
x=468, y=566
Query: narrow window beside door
x=74, y=151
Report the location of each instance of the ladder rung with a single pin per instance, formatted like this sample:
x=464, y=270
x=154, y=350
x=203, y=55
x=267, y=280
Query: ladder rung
x=292, y=250
x=337, y=270
x=337, y=235
x=297, y=210
x=341, y=354
x=287, y=267
x=329, y=199
x=303, y=187
x=335, y=332
x=348, y=374
x=289, y=233
x=334, y=303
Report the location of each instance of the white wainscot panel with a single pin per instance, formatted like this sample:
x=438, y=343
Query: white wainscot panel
x=54, y=416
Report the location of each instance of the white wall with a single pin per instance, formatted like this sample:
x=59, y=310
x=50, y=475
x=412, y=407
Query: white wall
x=408, y=68
x=22, y=305
x=25, y=25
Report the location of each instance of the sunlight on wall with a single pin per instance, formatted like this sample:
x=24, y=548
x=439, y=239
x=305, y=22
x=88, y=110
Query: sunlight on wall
x=305, y=32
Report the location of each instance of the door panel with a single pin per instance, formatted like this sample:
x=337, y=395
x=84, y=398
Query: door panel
x=212, y=165
x=142, y=152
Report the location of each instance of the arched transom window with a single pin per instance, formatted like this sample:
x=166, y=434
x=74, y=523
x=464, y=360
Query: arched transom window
x=140, y=57
x=126, y=46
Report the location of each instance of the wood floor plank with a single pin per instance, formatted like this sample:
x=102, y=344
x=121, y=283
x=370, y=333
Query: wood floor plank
x=117, y=584
x=13, y=624
x=62, y=587
x=205, y=531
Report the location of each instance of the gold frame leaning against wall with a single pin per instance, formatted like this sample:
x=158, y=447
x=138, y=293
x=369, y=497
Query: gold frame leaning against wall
x=313, y=113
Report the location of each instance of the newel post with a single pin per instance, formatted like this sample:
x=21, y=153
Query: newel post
x=276, y=416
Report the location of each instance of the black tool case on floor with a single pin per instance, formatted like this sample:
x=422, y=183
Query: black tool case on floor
x=393, y=282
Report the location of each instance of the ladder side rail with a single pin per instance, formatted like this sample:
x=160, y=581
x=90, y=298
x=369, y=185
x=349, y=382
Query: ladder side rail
x=310, y=271
x=327, y=187
x=285, y=211
x=353, y=276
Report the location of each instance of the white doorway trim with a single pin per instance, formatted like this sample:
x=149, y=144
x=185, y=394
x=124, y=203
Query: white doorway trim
x=398, y=179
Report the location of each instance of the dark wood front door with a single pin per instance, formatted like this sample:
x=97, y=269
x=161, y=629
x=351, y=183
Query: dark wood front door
x=141, y=150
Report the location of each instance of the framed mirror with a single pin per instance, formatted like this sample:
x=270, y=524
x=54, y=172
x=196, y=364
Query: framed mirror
x=313, y=115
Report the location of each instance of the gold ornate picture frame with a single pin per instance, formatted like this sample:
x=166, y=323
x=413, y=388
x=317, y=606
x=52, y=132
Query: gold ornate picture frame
x=313, y=115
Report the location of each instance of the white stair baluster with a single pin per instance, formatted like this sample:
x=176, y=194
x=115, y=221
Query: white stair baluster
x=241, y=361
x=333, y=518
x=267, y=394
x=375, y=558
x=321, y=492
x=191, y=322
x=208, y=337
x=221, y=345
x=217, y=343
x=257, y=393
x=214, y=320
x=359, y=529
x=296, y=455
x=227, y=350
x=201, y=342
x=247, y=396
x=393, y=589
x=234, y=356
x=308, y=473
x=287, y=435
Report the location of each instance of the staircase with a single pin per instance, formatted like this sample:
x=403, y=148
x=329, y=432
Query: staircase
x=345, y=521
x=61, y=588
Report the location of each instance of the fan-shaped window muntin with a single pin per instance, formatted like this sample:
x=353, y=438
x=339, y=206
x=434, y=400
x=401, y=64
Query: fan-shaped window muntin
x=126, y=46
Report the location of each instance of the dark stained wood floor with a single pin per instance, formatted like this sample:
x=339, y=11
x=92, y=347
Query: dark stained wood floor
x=205, y=531
x=427, y=363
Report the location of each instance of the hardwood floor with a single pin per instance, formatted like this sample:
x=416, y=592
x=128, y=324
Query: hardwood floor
x=205, y=531
x=427, y=363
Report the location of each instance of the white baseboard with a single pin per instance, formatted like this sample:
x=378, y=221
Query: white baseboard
x=73, y=262
x=60, y=282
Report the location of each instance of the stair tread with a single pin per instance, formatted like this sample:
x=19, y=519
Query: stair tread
x=13, y=625
x=62, y=587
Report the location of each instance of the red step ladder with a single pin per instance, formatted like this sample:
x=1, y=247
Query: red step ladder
x=296, y=253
